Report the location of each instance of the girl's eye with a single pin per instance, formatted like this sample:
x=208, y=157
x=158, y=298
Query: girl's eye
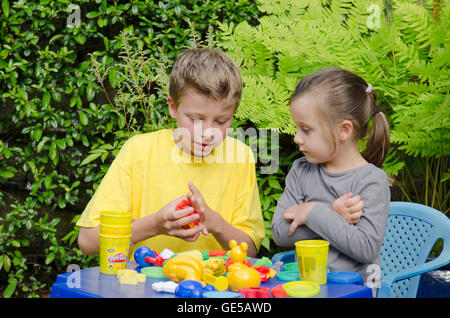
x=221, y=122
x=305, y=130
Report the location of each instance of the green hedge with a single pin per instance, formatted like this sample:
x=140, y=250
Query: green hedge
x=54, y=111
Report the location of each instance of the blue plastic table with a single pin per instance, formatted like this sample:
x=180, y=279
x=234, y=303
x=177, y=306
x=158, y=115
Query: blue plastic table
x=93, y=284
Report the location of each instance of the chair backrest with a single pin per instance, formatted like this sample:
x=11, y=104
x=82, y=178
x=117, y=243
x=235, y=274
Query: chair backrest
x=411, y=232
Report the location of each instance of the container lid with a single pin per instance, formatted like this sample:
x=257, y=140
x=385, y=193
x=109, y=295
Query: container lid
x=291, y=267
x=344, y=277
x=153, y=271
x=123, y=236
x=301, y=289
x=288, y=275
x=222, y=294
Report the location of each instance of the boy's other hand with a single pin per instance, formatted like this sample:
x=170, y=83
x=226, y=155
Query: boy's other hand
x=170, y=221
x=349, y=207
x=199, y=204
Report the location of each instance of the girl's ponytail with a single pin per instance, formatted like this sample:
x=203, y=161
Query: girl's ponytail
x=378, y=144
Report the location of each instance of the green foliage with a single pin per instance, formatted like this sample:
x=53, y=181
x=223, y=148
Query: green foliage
x=404, y=55
x=20, y=229
x=271, y=188
x=56, y=116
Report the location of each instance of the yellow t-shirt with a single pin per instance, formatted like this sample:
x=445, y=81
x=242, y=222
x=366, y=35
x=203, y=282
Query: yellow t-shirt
x=150, y=171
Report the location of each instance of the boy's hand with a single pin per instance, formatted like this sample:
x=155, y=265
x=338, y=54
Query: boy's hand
x=171, y=221
x=349, y=207
x=199, y=204
x=297, y=215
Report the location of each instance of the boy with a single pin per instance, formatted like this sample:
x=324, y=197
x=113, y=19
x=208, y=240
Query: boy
x=152, y=172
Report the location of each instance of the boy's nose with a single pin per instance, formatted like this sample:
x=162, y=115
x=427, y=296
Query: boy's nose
x=211, y=133
x=207, y=134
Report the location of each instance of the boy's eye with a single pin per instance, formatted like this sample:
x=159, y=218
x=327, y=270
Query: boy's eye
x=222, y=122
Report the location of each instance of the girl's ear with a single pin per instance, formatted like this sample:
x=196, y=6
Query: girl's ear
x=172, y=108
x=345, y=130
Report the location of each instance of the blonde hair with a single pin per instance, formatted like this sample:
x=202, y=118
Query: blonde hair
x=342, y=95
x=207, y=72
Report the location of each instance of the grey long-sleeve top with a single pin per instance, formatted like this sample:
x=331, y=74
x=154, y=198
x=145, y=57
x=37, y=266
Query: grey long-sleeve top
x=352, y=247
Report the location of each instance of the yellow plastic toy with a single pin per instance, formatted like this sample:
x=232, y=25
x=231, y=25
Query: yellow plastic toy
x=183, y=267
x=239, y=274
x=220, y=283
x=130, y=277
x=242, y=278
x=236, y=266
x=238, y=253
x=193, y=253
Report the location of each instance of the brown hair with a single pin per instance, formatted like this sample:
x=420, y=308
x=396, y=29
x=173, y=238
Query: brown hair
x=342, y=95
x=207, y=72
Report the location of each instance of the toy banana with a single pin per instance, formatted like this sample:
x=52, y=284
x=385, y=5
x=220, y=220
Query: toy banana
x=183, y=267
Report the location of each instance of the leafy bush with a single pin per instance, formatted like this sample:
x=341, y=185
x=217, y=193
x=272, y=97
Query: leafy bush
x=402, y=50
x=55, y=114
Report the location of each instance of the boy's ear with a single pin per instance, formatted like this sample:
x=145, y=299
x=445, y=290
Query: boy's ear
x=345, y=130
x=172, y=108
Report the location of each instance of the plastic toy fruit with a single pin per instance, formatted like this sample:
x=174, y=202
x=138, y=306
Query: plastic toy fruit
x=246, y=277
x=265, y=272
x=192, y=289
x=183, y=204
x=141, y=253
x=214, y=266
x=182, y=267
x=194, y=254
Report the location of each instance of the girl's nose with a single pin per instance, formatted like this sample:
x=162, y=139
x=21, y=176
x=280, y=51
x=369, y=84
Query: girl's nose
x=297, y=139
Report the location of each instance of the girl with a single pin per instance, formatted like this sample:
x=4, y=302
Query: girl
x=333, y=192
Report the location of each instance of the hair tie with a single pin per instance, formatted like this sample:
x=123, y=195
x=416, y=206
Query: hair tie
x=369, y=88
x=376, y=110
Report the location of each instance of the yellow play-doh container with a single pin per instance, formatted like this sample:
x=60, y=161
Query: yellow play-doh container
x=115, y=230
x=312, y=258
x=115, y=218
x=113, y=252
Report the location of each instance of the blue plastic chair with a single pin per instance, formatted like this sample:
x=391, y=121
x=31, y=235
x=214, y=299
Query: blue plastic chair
x=411, y=232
